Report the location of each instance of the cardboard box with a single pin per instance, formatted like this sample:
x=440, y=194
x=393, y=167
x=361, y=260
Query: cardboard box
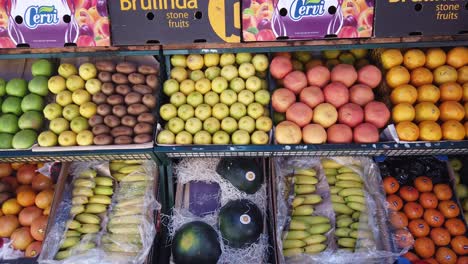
x=400, y=18
x=170, y=21
x=268, y=20
x=54, y=23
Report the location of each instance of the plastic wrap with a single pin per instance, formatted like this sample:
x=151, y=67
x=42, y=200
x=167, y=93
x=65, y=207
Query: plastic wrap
x=193, y=170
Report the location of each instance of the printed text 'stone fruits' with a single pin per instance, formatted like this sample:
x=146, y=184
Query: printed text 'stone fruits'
x=25, y=199
x=429, y=92
x=21, y=107
x=306, y=233
x=101, y=104
x=216, y=99
x=332, y=101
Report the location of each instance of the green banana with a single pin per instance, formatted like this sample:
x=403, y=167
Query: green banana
x=348, y=184
x=63, y=254
x=69, y=242
x=342, y=232
x=319, y=229
x=359, y=226
x=330, y=164
x=119, y=176
x=72, y=224
x=95, y=208
x=303, y=210
x=335, y=190
x=344, y=222
x=82, y=247
x=121, y=247
x=293, y=244
x=77, y=209
x=305, y=180
x=130, y=169
x=342, y=209
x=351, y=191
x=104, y=181
x=356, y=215
x=312, y=220
x=103, y=191
x=356, y=199
x=89, y=173
x=88, y=229
x=337, y=199
x=349, y=177
x=133, y=161
x=315, y=248
x=128, y=219
x=349, y=169
x=298, y=225
x=88, y=183
x=347, y=242
x=133, y=239
x=115, y=166
x=331, y=180
x=314, y=239
x=127, y=211
x=305, y=172
x=354, y=234
x=86, y=218
x=296, y=234
x=134, y=177
x=82, y=191
x=330, y=172
x=72, y=233
x=124, y=229
x=297, y=201
x=357, y=206
x=304, y=189
x=77, y=200
x=100, y=199
x=292, y=252
x=311, y=199
x=341, y=216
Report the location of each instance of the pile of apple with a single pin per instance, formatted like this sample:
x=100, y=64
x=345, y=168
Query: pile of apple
x=216, y=99
x=321, y=105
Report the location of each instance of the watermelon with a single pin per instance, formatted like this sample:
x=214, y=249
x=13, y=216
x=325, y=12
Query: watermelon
x=240, y=223
x=196, y=242
x=243, y=173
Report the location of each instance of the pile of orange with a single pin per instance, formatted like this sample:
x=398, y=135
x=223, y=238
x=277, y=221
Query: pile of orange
x=427, y=219
x=25, y=202
x=429, y=93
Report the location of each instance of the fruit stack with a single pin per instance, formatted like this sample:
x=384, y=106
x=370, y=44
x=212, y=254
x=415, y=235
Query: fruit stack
x=26, y=197
x=319, y=105
x=216, y=99
x=428, y=89
x=460, y=187
x=101, y=104
x=349, y=203
x=425, y=214
x=91, y=196
x=306, y=231
x=21, y=108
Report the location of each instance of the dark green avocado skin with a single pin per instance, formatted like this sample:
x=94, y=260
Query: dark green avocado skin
x=235, y=169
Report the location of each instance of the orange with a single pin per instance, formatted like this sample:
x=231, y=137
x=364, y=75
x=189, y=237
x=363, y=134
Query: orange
x=419, y=228
x=443, y=191
x=16, y=165
x=26, y=198
x=404, y=238
x=423, y=184
x=435, y=57
x=409, y=194
x=391, y=58
x=403, y=112
x=411, y=256
x=414, y=58
x=398, y=220
x=428, y=93
x=426, y=111
x=451, y=91
x=453, y=130
x=465, y=92
x=44, y=198
x=421, y=76
x=430, y=261
x=462, y=75
x=462, y=260
x=457, y=57
x=440, y=236
x=405, y=93
x=391, y=185
x=455, y=226
x=429, y=131
x=428, y=200
x=424, y=247
x=11, y=207
x=460, y=245
x=449, y=208
x=407, y=131
x=445, y=74
x=451, y=110
x=394, y=202
x=446, y=256
x=397, y=76
x=434, y=218
x=413, y=210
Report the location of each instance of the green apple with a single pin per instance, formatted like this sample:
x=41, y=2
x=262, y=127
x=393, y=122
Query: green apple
x=56, y=84
x=347, y=58
x=2, y=87
x=212, y=72
x=255, y=110
x=237, y=84
x=229, y=72
x=220, y=138
x=262, y=97
x=219, y=84
x=64, y=98
x=84, y=138
x=47, y=139
x=260, y=62
x=87, y=71
x=203, y=111
x=331, y=54
x=195, y=62
x=178, y=99
x=17, y=87
x=175, y=125
x=166, y=137
x=168, y=111
x=179, y=74
x=264, y=123
x=193, y=125
x=187, y=86
x=227, y=59
x=66, y=70
x=42, y=67
x=229, y=125
x=79, y=124
x=211, y=98
x=246, y=97
x=12, y=104
x=278, y=117
x=211, y=125
x=202, y=138
x=58, y=125
x=178, y=61
x=93, y=86
x=170, y=87
x=183, y=138
x=203, y=85
x=211, y=59
x=456, y=164
x=39, y=85
x=237, y=110
x=32, y=102
x=196, y=75
x=247, y=123
x=243, y=57
x=228, y=97
x=259, y=138
x=220, y=111
x=52, y=111
x=359, y=53
x=31, y=120
x=74, y=83
x=67, y=139
x=80, y=96
x=253, y=84
x=88, y=109
x=246, y=70
x=9, y=124
x=195, y=98
x=70, y=111
x=240, y=137
x=303, y=56
x=185, y=112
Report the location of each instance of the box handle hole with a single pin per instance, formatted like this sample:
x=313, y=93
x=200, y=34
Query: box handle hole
x=198, y=15
x=153, y=41
x=283, y=12
x=18, y=20
x=282, y=38
x=66, y=19
x=150, y=16
x=23, y=45
x=199, y=41
x=70, y=44
x=418, y=7
x=415, y=33
x=332, y=10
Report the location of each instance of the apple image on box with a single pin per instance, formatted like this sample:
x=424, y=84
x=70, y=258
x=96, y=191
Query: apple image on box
x=203, y=111
x=170, y=87
x=166, y=137
x=187, y=86
x=66, y=70
x=237, y=110
x=212, y=72
x=185, y=112
x=39, y=85
x=47, y=139
x=56, y=84
x=42, y=68
x=202, y=138
x=176, y=125
x=237, y=84
x=211, y=98
x=59, y=125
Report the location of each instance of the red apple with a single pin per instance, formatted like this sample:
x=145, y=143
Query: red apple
x=350, y=114
x=376, y=113
x=339, y=133
x=282, y=99
x=280, y=66
x=336, y=94
x=299, y=113
x=318, y=76
x=344, y=73
x=312, y=96
x=366, y=133
x=295, y=81
x=370, y=75
x=314, y=134
x=361, y=94
x=288, y=132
